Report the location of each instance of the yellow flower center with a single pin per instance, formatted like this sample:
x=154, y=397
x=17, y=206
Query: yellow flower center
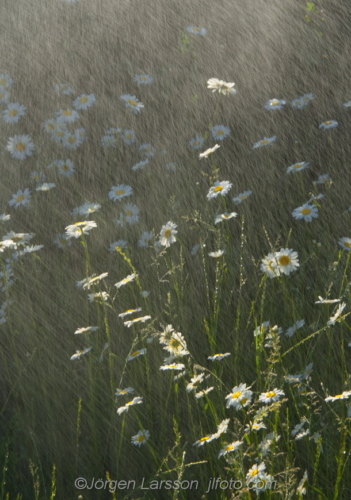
x=220, y=132
x=20, y=198
x=244, y=401
x=132, y=102
x=229, y=447
x=338, y=396
x=217, y=189
x=135, y=353
x=306, y=211
x=275, y=103
x=284, y=260
x=129, y=213
x=271, y=394
x=13, y=112
x=168, y=233
x=72, y=139
x=60, y=133
x=347, y=244
x=328, y=122
x=67, y=112
x=236, y=395
x=83, y=100
x=20, y=146
x=175, y=343
x=120, y=192
x=3, y=81
x=65, y=167
x=254, y=472
x=298, y=165
x=204, y=439
x=141, y=438
x=264, y=142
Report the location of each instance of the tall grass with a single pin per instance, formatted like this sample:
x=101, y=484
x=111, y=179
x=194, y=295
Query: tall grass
x=215, y=369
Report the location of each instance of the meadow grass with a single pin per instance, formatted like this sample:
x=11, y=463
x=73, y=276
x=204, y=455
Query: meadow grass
x=169, y=329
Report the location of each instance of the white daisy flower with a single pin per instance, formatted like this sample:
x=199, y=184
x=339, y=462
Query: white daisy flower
x=144, y=293
x=225, y=216
x=78, y=354
x=141, y=165
x=323, y=179
x=67, y=115
x=269, y=266
x=196, y=30
x=144, y=239
x=46, y=186
x=13, y=112
x=297, y=167
x=209, y=151
x=129, y=137
x=219, y=356
x=64, y=88
x=120, y=245
x=269, y=397
x=195, y=382
x=129, y=312
x=5, y=81
x=124, y=392
x=239, y=397
x=345, y=243
x=84, y=101
x=306, y=212
x=265, y=142
x=217, y=254
x=255, y=472
x=98, y=297
x=197, y=142
x=65, y=167
x=337, y=315
x=126, y=280
x=221, y=86
x=136, y=354
x=344, y=395
x=119, y=192
x=109, y=141
x=59, y=134
x=148, y=150
x=132, y=103
x=72, y=140
x=255, y=426
x=308, y=97
x=130, y=323
x=113, y=131
x=287, y=260
x=203, y=393
x=221, y=188
x=173, y=366
x=86, y=329
x=141, y=438
x=86, y=209
x=20, y=198
x=4, y=217
x=205, y=440
x=4, y=95
x=275, y=104
x=20, y=146
x=143, y=79
x=76, y=230
x=38, y=176
x=328, y=124
x=62, y=241
x=229, y=448
x=220, y=132
x=242, y=196
x=91, y=280
x=167, y=234
x=296, y=326
x=347, y=104
x=130, y=213
x=298, y=103
x=135, y=401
